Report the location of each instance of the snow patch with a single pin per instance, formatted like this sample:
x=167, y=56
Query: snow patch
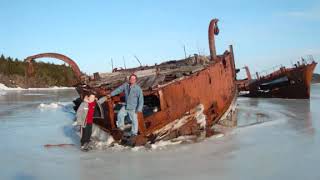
x=100, y=135
x=2, y=93
x=200, y=117
x=62, y=106
x=53, y=105
x=194, y=114
x=4, y=87
x=52, y=88
x=49, y=106
x=104, y=141
x=100, y=139
x=35, y=94
x=164, y=144
x=220, y=135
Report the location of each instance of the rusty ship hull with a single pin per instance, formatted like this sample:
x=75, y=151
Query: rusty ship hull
x=213, y=88
x=290, y=83
x=185, y=97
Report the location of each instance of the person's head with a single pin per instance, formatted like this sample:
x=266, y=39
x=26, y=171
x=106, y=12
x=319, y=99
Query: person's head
x=86, y=98
x=91, y=96
x=133, y=79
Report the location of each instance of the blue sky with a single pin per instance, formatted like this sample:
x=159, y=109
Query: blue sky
x=264, y=34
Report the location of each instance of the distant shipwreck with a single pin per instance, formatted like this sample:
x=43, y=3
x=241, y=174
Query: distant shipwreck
x=185, y=97
x=291, y=83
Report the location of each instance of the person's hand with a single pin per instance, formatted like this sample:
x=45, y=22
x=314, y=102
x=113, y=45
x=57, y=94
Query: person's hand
x=108, y=96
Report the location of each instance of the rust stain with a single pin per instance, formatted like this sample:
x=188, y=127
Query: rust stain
x=213, y=30
x=214, y=87
x=284, y=82
x=171, y=90
x=73, y=65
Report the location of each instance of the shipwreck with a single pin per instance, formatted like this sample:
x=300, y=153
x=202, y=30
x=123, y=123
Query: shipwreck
x=291, y=83
x=181, y=98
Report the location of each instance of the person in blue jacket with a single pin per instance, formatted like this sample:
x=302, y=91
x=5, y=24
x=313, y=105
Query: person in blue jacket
x=133, y=103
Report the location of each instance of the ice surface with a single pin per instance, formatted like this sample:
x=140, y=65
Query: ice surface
x=3, y=87
x=2, y=93
x=276, y=139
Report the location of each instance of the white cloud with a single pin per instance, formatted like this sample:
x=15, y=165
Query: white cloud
x=306, y=14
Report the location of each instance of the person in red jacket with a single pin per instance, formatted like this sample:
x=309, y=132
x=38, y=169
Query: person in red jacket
x=87, y=109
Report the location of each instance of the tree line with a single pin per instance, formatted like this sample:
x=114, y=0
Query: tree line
x=46, y=74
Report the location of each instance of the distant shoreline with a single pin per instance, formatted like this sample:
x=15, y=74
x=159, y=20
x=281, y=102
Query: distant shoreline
x=44, y=75
x=5, y=88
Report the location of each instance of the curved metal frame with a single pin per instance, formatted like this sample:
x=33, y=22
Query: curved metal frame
x=61, y=57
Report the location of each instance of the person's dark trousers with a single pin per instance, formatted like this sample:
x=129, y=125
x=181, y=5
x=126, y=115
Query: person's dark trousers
x=86, y=134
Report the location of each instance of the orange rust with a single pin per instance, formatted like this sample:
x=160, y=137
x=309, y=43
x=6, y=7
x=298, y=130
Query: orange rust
x=296, y=84
x=213, y=30
x=111, y=114
x=214, y=87
x=141, y=124
x=62, y=57
x=57, y=145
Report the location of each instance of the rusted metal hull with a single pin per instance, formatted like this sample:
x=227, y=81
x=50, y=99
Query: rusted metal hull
x=292, y=83
x=188, y=100
x=213, y=88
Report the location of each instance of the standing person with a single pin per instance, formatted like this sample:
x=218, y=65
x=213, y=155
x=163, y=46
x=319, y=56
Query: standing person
x=84, y=116
x=133, y=103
